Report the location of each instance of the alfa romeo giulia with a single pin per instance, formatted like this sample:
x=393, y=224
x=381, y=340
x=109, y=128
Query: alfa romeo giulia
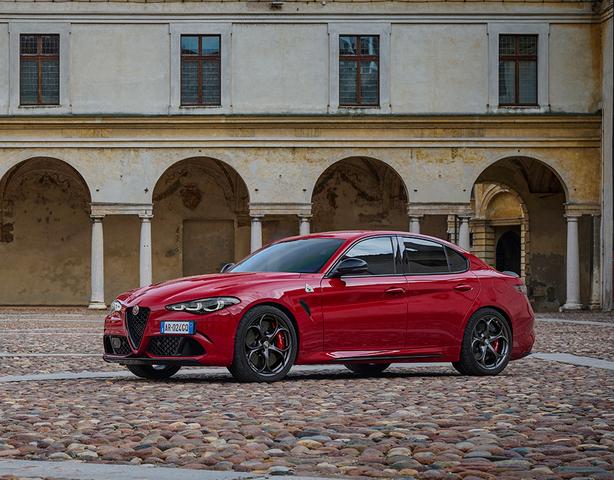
x=362, y=299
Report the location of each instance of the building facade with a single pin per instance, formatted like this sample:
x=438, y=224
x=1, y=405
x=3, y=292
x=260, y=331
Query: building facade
x=142, y=141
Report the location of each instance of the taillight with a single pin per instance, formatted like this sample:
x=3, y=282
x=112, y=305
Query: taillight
x=522, y=288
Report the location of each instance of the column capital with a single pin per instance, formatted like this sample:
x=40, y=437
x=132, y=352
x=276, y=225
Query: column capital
x=417, y=216
x=145, y=217
x=256, y=216
x=305, y=216
x=579, y=209
x=97, y=217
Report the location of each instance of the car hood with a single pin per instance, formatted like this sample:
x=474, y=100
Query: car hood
x=202, y=286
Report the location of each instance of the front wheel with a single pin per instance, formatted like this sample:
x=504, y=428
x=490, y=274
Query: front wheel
x=487, y=344
x=265, y=346
x=367, y=369
x=154, y=372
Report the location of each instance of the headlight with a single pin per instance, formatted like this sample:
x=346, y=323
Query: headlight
x=115, y=306
x=204, y=305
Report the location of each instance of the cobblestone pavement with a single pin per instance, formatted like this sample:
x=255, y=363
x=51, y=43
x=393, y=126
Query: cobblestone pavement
x=537, y=420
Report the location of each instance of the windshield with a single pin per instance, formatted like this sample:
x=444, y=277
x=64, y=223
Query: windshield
x=295, y=256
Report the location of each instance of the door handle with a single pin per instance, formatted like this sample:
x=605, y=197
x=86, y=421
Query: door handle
x=463, y=287
x=395, y=291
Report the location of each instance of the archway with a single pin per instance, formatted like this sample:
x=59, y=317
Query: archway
x=527, y=196
x=359, y=193
x=201, y=218
x=45, y=234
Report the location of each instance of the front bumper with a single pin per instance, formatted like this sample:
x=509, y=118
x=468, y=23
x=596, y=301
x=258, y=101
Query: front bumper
x=211, y=344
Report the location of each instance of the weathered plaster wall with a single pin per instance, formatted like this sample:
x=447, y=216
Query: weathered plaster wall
x=433, y=63
x=4, y=68
x=200, y=213
x=45, y=244
x=575, y=68
x=280, y=68
x=119, y=69
x=359, y=193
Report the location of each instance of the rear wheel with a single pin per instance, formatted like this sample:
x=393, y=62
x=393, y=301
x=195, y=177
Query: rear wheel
x=487, y=344
x=367, y=369
x=265, y=346
x=154, y=372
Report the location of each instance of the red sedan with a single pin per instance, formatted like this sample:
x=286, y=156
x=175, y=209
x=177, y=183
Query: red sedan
x=362, y=299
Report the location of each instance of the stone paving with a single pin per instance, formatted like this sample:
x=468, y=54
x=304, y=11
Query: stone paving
x=540, y=419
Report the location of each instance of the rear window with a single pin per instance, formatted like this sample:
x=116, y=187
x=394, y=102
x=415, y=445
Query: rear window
x=457, y=262
x=423, y=256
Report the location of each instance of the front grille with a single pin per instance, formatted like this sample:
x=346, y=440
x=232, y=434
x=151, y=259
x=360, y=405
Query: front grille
x=173, y=346
x=135, y=324
x=116, y=345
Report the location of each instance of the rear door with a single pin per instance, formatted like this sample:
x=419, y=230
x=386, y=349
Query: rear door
x=366, y=313
x=440, y=292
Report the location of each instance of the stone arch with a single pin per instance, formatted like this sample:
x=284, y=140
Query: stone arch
x=359, y=193
x=201, y=218
x=542, y=194
x=44, y=233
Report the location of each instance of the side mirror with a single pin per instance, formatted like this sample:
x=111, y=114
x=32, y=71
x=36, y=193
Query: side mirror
x=227, y=267
x=351, y=266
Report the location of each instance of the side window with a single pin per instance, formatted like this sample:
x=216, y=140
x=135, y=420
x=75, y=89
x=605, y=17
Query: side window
x=423, y=257
x=378, y=254
x=457, y=262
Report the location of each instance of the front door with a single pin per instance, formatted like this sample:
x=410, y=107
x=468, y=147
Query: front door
x=366, y=314
x=440, y=293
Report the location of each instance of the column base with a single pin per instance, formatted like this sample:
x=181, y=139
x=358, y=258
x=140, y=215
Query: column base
x=568, y=307
x=97, y=306
x=594, y=306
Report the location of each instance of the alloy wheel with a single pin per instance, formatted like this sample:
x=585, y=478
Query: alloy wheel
x=268, y=344
x=490, y=342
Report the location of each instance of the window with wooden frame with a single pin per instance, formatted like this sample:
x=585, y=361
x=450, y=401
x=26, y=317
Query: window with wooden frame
x=39, y=69
x=359, y=70
x=200, y=70
x=518, y=70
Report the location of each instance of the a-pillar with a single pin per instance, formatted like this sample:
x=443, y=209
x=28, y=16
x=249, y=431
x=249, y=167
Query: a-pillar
x=464, y=238
x=256, y=233
x=145, y=251
x=97, y=264
x=595, y=303
x=304, y=226
x=572, y=300
x=414, y=223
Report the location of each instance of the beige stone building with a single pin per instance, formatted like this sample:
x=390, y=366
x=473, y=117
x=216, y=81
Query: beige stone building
x=141, y=141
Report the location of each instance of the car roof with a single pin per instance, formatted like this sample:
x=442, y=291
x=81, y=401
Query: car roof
x=357, y=234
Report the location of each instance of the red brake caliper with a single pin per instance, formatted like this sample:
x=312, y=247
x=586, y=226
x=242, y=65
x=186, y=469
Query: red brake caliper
x=495, y=346
x=280, y=341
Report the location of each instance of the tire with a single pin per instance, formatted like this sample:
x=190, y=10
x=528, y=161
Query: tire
x=150, y=372
x=367, y=369
x=266, y=345
x=487, y=344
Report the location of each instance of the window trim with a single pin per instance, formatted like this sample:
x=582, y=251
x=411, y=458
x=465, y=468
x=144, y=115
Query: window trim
x=542, y=30
x=340, y=255
x=383, y=30
x=445, y=249
x=224, y=30
x=16, y=29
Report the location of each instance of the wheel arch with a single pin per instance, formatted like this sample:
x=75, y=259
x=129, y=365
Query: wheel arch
x=505, y=315
x=288, y=312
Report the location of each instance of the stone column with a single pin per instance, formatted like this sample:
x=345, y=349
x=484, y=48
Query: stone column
x=595, y=303
x=464, y=240
x=572, y=301
x=256, y=233
x=145, y=251
x=414, y=223
x=304, y=226
x=97, y=268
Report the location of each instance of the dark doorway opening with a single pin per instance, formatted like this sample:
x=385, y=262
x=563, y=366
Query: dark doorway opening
x=508, y=252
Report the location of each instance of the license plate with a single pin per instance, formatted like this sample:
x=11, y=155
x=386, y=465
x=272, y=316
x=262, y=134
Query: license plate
x=177, y=327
